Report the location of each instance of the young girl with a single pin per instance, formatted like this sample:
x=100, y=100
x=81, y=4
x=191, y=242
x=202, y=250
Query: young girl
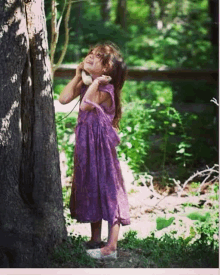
x=98, y=190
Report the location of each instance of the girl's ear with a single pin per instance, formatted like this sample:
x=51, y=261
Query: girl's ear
x=86, y=78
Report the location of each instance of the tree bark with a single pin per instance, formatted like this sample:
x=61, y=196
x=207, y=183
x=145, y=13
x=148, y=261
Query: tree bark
x=78, y=9
x=106, y=9
x=214, y=29
x=121, y=13
x=214, y=14
x=31, y=208
x=152, y=18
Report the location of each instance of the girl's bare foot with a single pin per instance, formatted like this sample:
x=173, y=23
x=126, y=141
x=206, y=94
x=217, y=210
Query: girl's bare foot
x=106, y=250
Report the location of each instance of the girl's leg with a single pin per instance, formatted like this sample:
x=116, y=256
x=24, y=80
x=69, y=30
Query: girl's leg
x=96, y=228
x=112, y=240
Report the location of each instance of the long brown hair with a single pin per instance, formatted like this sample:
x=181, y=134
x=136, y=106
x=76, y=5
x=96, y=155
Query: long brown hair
x=117, y=69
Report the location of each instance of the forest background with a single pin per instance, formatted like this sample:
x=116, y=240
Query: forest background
x=157, y=35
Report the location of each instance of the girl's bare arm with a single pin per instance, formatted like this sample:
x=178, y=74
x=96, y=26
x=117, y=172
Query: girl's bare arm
x=72, y=89
x=94, y=95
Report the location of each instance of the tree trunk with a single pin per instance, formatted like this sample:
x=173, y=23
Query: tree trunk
x=214, y=14
x=152, y=18
x=78, y=9
x=31, y=208
x=106, y=9
x=121, y=13
x=160, y=21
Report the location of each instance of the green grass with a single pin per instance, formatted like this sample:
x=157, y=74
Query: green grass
x=132, y=191
x=71, y=253
x=164, y=252
x=167, y=252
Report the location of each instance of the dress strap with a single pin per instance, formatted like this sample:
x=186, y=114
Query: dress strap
x=109, y=88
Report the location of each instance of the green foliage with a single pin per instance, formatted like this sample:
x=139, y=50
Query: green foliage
x=199, y=249
x=132, y=191
x=195, y=184
x=216, y=187
x=134, y=145
x=65, y=136
x=66, y=192
x=199, y=217
x=183, y=40
x=72, y=253
x=209, y=230
x=59, y=85
x=140, y=124
x=169, y=252
x=160, y=92
x=216, y=192
x=191, y=236
x=163, y=223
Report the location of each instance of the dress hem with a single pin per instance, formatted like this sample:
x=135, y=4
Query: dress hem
x=123, y=222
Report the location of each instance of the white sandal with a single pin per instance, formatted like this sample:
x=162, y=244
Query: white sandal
x=96, y=254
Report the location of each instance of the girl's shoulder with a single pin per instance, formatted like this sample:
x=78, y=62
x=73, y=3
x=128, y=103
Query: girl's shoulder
x=106, y=88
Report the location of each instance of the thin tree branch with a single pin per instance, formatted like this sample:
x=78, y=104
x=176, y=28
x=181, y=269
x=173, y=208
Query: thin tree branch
x=204, y=181
x=214, y=179
x=67, y=17
x=54, y=33
x=201, y=174
x=177, y=182
x=214, y=101
x=55, y=27
x=61, y=17
x=151, y=188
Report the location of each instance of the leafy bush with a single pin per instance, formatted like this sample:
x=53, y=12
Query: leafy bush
x=142, y=126
x=209, y=230
x=66, y=138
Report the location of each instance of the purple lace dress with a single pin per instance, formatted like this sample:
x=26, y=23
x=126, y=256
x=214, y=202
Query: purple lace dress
x=98, y=190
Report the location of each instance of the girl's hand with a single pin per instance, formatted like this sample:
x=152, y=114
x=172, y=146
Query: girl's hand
x=104, y=79
x=79, y=70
